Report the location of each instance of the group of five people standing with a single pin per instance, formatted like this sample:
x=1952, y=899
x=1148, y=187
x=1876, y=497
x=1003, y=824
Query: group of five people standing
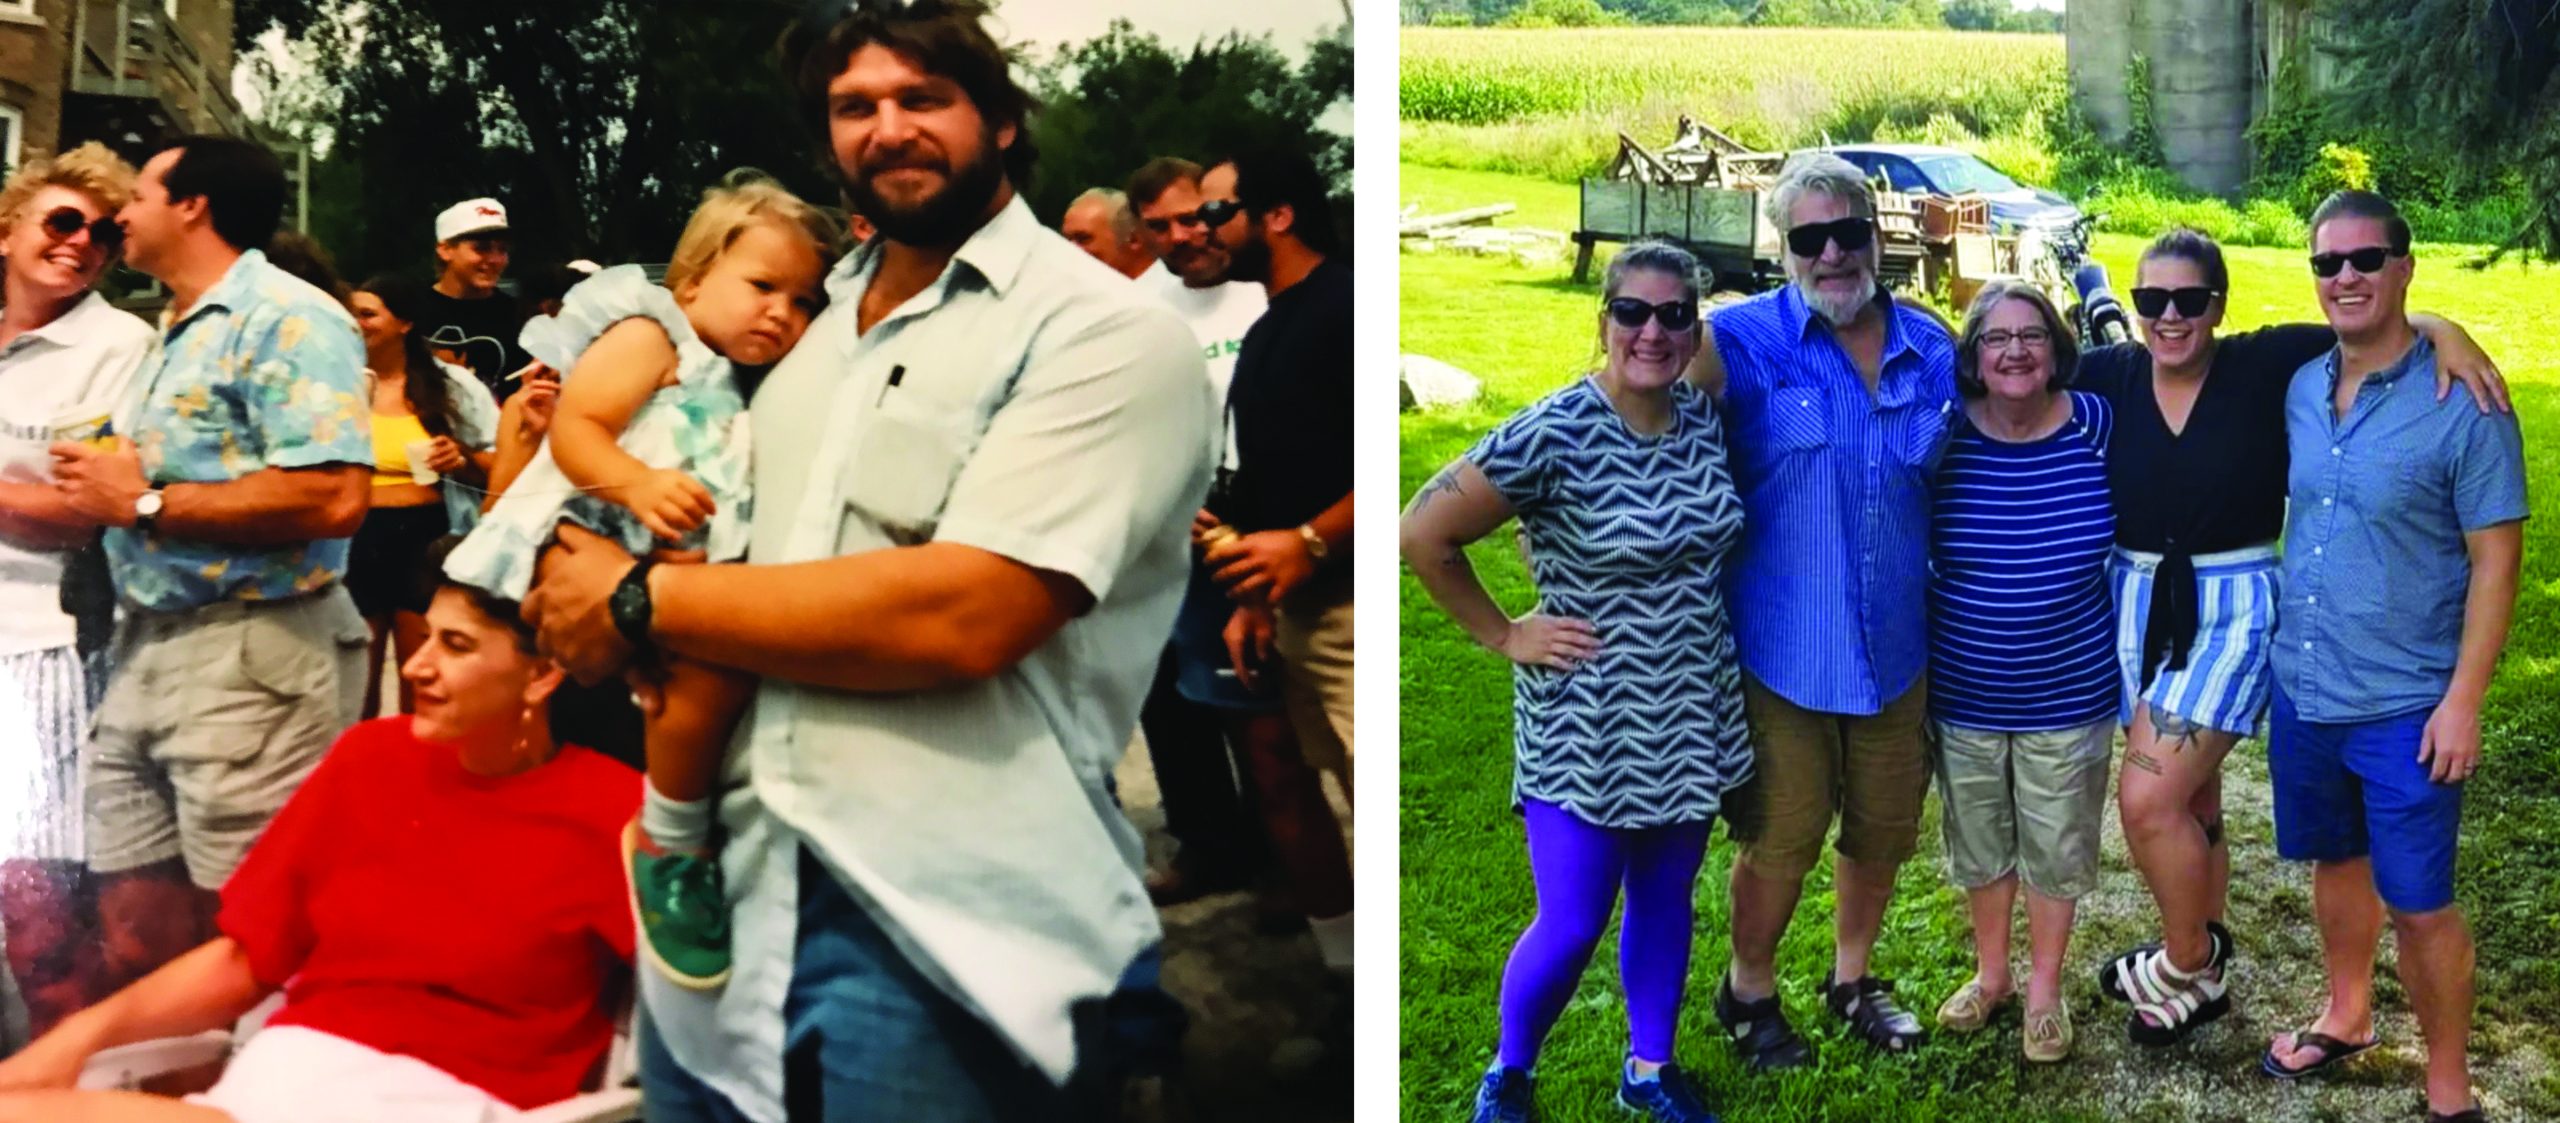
x=1777, y=565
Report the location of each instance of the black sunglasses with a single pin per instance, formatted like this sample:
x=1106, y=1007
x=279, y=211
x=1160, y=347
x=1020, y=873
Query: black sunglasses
x=1853, y=234
x=63, y=222
x=2191, y=302
x=1213, y=213
x=1674, y=315
x=2367, y=261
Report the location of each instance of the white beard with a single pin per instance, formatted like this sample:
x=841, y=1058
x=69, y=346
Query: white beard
x=1837, y=310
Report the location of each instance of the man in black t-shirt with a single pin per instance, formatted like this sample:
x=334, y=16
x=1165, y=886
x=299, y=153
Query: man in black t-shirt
x=467, y=320
x=1288, y=503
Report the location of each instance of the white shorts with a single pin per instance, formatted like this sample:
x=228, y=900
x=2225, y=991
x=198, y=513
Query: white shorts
x=289, y=1074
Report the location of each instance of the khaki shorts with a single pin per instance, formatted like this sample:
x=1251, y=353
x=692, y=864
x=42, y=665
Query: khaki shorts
x=1314, y=643
x=2025, y=803
x=212, y=720
x=1808, y=766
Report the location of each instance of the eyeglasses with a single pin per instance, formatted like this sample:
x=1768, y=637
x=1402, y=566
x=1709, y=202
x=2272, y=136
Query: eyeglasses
x=2367, y=261
x=1213, y=213
x=1673, y=315
x=2033, y=339
x=2191, y=302
x=63, y=222
x=1853, y=234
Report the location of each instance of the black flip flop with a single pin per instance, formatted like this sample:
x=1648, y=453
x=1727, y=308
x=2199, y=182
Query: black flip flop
x=2467, y=1115
x=2332, y=1051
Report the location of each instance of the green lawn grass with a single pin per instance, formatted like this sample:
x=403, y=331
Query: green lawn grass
x=1465, y=886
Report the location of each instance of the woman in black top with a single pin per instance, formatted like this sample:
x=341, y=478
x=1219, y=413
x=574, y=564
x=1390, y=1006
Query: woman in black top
x=2197, y=474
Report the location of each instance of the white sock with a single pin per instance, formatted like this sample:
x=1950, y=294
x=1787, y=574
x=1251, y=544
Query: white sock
x=675, y=824
x=1333, y=940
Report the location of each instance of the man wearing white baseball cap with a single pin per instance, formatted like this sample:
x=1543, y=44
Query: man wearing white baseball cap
x=467, y=319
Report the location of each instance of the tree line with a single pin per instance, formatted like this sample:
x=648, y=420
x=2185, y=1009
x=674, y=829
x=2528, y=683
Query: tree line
x=599, y=122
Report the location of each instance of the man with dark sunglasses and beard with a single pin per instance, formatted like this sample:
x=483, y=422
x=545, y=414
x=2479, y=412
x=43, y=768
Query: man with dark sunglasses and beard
x=66, y=358
x=1839, y=400
x=975, y=482
x=1278, y=529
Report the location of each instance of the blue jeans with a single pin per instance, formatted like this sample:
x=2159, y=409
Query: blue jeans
x=867, y=1037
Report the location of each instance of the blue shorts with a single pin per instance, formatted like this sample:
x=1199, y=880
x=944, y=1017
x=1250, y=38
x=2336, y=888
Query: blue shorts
x=2357, y=790
x=1204, y=674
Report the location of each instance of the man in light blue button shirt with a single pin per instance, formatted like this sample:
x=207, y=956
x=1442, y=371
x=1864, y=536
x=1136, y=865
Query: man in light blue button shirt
x=975, y=478
x=2403, y=535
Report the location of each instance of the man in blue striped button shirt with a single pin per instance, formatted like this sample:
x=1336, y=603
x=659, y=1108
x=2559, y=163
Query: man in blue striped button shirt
x=1839, y=401
x=2403, y=537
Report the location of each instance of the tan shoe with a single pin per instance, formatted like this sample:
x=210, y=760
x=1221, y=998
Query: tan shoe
x=1970, y=1008
x=2048, y=1035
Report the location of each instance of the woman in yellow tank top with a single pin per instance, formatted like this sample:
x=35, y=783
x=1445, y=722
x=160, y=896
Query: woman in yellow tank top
x=415, y=457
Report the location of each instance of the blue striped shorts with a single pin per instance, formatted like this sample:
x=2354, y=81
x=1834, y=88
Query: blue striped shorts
x=2226, y=680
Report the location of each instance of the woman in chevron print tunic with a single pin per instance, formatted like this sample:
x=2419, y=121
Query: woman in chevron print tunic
x=1627, y=695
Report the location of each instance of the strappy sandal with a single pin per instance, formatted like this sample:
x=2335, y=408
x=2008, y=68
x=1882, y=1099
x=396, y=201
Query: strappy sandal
x=1866, y=1003
x=2168, y=1006
x=2332, y=1052
x=1760, y=1031
x=2111, y=973
x=1971, y=1007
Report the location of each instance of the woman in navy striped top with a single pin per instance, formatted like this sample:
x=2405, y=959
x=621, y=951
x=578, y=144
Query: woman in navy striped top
x=2022, y=674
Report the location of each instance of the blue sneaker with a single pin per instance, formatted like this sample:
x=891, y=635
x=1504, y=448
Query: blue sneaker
x=1669, y=1097
x=1508, y=1095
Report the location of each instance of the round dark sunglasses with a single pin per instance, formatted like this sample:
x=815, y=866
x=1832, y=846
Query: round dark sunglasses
x=1673, y=315
x=2367, y=261
x=63, y=222
x=2191, y=302
x=1853, y=234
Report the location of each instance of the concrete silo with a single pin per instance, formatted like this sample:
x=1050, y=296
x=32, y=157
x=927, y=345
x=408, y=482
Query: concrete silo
x=2201, y=77
x=2097, y=47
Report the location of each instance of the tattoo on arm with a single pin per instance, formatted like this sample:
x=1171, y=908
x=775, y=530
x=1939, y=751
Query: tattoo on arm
x=1455, y=559
x=1446, y=483
x=2142, y=761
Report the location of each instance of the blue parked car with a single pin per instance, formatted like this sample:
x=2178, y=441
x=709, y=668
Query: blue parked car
x=1929, y=169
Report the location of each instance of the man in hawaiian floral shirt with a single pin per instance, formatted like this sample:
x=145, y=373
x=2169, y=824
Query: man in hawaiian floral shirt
x=228, y=504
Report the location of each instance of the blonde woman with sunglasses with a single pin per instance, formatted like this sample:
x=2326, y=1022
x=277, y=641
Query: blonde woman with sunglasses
x=66, y=357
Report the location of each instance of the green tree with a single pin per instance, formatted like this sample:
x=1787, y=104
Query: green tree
x=2480, y=78
x=1976, y=15
x=598, y=122
x=1118, y=100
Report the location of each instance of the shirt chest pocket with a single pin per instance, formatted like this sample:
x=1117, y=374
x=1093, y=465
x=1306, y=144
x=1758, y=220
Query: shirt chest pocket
x=1921, y=433
x=900, y=473
x=1793, y=423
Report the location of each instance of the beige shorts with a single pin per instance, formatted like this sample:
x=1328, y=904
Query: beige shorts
x=1313, y=637
x=211, y=721
x=2028, y=803
x=1870, y=771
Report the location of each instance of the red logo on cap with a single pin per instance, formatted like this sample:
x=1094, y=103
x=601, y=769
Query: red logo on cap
x=491, y=212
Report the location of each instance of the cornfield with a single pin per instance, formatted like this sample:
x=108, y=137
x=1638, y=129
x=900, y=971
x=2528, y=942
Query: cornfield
x=1536, y=98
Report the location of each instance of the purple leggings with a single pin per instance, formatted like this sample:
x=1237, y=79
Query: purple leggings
x=1578, y=868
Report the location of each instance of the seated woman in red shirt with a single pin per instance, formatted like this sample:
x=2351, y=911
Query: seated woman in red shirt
x=442, y=904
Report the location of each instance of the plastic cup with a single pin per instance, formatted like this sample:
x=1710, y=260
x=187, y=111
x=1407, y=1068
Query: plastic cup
x=418, y=470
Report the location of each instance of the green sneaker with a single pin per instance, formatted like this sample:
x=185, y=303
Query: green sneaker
x=682, y=910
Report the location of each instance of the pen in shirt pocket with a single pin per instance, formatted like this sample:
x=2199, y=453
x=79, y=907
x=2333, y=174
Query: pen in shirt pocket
x=896, y=374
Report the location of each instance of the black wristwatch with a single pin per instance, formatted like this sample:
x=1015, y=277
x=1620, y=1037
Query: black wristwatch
x=630, y=605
